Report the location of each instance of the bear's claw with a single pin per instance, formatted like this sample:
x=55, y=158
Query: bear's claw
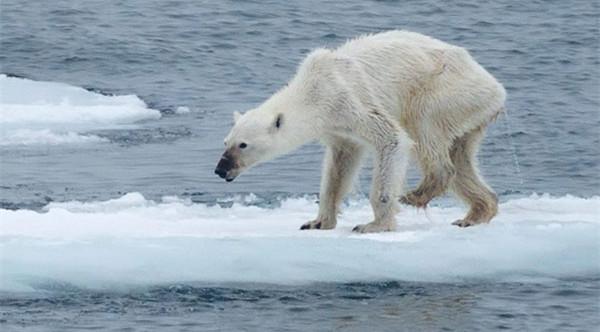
x=374, y=227
x=464, y=223
x=310, y=225
x=316, y=224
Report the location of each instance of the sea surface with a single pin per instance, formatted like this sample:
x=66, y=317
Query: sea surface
x=112, y=119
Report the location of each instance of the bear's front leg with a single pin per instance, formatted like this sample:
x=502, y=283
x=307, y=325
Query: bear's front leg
x=391, y=162
x=341, y=163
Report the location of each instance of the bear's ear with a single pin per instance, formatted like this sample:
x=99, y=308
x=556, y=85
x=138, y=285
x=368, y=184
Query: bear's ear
x=236, y=116
x=278, y=121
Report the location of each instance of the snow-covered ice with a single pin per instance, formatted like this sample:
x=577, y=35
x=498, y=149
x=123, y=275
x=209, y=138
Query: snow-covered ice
x=36, y=112
x=132, y=240
x=182, y=110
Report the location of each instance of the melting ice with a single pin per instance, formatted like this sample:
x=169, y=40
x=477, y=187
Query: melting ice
x=34, y=112
x=132, y=240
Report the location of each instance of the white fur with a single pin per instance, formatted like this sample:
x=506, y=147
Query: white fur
x=390, y=93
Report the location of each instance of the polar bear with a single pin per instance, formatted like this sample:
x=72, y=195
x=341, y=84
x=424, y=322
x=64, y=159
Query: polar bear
x=400, y=95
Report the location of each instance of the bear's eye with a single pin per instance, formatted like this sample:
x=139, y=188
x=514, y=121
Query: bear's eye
x=278, y=121
x=243, y=145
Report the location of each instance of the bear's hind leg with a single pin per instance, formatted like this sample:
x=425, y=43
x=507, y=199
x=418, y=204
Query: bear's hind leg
x=438, y=171
x=341, y=163
x=468, y=184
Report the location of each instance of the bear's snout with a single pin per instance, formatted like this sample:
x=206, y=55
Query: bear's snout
x=224, y=166
x=221, y=172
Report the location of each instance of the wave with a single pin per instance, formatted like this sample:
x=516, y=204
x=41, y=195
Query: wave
x=36, y=112
x=135, y=241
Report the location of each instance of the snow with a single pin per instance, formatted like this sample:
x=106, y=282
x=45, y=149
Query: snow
x=36, y=112
x=134, y=241
x=47, y=137
x=182, y=110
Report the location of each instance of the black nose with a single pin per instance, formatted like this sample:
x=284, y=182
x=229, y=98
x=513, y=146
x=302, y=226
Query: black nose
x=221, y=172
x=225, y=165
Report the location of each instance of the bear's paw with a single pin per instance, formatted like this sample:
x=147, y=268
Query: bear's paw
x=317, y=224
x=375, y=227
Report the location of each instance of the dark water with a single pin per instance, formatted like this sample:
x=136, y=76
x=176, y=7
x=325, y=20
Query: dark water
x=383, y=306
x=218, y=57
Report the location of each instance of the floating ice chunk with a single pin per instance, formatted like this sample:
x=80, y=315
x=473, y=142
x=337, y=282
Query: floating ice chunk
x=132, y=240
x=56, y=113
x=182, y=110
x=47, y=137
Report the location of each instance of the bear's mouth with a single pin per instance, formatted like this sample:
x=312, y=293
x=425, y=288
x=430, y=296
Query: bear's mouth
x=228, y=167
x=225, y=175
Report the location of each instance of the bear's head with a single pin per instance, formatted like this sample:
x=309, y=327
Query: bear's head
x=261, y=134
x=291, y=117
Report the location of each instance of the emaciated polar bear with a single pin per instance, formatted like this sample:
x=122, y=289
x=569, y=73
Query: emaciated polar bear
x=397, y=93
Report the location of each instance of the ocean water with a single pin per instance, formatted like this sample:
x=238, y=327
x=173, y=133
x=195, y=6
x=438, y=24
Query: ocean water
x=112, y=117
